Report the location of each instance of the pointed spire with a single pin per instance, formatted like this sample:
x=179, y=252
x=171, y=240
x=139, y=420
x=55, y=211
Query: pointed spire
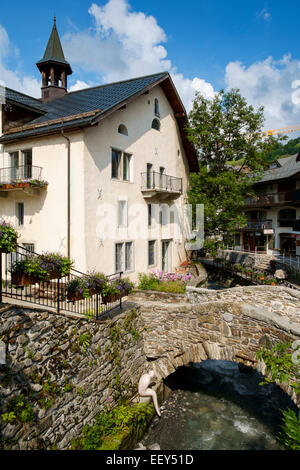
x=54, y=67
x=54, y=51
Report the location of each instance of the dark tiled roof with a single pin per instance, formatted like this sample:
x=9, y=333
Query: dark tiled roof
x=98, y=99
x=288, y=167
x=24, y=100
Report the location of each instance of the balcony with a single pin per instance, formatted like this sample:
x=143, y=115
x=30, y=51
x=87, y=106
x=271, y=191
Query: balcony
x=282, y=198
x=159, y=185
x=258, y=225
x=26, y=178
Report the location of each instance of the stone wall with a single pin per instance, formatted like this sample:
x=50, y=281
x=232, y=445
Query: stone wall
x=220, y=325
x=67, y=368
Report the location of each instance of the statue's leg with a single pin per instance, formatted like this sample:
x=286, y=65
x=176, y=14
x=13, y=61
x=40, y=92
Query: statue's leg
x=152, y=394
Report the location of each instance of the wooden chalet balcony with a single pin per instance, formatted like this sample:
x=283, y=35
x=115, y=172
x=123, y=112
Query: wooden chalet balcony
x=27, y=178
x=159, y=185
x=275, y=199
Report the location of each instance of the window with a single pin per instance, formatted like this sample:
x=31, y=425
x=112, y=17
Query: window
x=156, y=107
x=29, y=247
x=115, y=164
x=122, y=129
x=20, y=213
x=118, y=257
x=126, y=167
x=149, y=215
x=27, y=163
x=151, y=253
x=128, y=256
x=124, y=257
x=122, y=213
x=149, y=175
x=14, y=167
x=156, y=124
x=121, y=164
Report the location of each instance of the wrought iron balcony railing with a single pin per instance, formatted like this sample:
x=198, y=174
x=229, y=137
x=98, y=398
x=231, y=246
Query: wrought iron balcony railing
x=160, y=182
x=20, y=174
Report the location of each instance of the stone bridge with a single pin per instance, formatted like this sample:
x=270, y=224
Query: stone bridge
x=229, y=324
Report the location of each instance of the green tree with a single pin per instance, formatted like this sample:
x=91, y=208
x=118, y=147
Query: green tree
x=223, y=130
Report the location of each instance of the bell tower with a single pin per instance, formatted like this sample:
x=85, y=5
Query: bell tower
x=54, y=68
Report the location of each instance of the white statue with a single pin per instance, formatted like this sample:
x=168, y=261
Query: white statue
x=145, y=391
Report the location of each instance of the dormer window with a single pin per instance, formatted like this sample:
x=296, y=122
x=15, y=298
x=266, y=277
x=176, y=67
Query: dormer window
x=122, y=129
x=156, y=124
x=156, y=107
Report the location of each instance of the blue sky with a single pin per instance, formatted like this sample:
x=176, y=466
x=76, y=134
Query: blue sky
x=205, y=45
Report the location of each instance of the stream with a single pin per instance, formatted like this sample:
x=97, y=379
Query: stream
x=214, y=406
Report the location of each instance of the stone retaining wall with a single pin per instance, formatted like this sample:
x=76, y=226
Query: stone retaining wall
x=69, y=367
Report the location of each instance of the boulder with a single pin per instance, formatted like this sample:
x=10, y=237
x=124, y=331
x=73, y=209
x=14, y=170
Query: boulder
x=280, y=274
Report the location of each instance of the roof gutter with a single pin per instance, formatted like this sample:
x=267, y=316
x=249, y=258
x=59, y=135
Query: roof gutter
x=68, y=193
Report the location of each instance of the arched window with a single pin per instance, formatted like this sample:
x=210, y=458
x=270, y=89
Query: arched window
x=156, y=124
x=122, y=129
x=156, y=107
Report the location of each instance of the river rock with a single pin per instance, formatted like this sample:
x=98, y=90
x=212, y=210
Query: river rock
x=280, y=274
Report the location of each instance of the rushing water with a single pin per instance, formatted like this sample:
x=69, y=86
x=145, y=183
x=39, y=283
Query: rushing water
x=217, y=407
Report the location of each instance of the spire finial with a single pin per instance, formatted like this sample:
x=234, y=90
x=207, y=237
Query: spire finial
x=54, y=19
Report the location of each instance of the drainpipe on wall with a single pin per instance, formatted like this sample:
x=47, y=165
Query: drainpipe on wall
x=68, y=194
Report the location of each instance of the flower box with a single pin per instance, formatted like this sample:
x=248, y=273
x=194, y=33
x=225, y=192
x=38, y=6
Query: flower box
x=111, y=298
x=74, y=296
x=21, y=279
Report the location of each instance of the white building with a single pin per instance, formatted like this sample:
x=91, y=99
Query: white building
x=116, y=160
x=274, y=213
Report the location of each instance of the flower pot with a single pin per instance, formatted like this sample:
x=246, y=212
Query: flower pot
x=273, y=283
x=74, y=296
x=55, y=274
x=111, y=298
x=18, y=279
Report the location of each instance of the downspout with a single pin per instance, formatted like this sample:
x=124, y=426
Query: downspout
x=68, y=194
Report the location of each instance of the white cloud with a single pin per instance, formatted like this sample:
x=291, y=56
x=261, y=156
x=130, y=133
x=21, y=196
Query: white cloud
x=272, y=84
x=265, y=14
x=123, y=44
x=15, y=78
x=79, y=85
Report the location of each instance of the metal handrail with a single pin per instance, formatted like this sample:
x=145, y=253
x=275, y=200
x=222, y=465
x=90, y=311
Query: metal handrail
x=21, y=173
x=51, y=293
x=161, y=181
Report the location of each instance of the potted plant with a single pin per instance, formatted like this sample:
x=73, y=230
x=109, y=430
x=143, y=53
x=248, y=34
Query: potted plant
x=110, y=292
x=95, y=282
x=76, y=289
x=29, y=270
x=125, y=286
x=57, y=266
x=8, y=237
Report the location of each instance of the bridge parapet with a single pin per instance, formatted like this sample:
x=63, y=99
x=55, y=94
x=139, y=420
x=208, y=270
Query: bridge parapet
x=221, y=326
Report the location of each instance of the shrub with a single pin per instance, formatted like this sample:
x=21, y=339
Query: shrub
x=164, y=282
x=8, y=237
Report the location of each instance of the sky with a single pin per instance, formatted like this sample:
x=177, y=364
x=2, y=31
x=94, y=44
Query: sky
x=206, y=46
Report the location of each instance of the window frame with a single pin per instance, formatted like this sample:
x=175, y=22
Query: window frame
x=123, y=260
x=18, y=205
x=154, y=253
x=120, y=172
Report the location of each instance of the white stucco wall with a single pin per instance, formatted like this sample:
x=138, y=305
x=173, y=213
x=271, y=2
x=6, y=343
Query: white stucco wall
x=94, y=217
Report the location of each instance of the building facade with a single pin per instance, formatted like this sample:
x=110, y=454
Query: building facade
x=273, y=215
x=99, y=174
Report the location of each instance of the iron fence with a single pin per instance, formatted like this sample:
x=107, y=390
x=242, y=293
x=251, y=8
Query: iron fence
x=51, y=293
